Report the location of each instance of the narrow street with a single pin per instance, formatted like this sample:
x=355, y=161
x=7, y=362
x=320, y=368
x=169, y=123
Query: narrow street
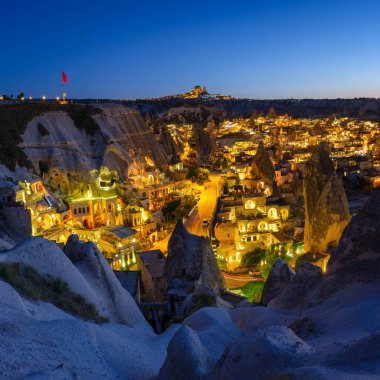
x=205, y=207
x=202, y=211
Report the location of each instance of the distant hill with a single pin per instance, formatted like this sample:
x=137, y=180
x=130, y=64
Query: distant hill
x=364, y=108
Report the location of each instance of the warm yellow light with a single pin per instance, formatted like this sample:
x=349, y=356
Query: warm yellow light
x=57, y=97
x=30, y=98
x=44, y=98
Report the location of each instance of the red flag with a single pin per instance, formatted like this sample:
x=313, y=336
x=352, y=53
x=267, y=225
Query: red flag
x=64, y=78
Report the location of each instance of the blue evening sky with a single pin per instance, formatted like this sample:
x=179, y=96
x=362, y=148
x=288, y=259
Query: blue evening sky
x=133, y=49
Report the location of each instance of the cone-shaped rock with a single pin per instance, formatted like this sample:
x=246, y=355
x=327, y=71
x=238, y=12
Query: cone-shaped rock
x=262, y=166
x=190, y=258
x=326, y=206
x=279, y=277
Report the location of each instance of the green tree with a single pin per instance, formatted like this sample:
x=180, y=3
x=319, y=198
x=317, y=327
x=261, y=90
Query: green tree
x=197, y=174
x=169, y=208
x=252, y=259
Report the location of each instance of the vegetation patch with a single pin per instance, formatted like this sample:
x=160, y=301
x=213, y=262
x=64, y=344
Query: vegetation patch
x=82, y=117
x=32, y=285
x=251, y=290
x=179, y=208
x=198, y=175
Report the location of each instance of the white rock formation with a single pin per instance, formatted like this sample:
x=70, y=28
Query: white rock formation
x=186, y=358
x=261, y=354
x=92, y=278
x=121, y=138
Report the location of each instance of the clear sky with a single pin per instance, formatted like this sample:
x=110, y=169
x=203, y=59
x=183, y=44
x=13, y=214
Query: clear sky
x=132, y=49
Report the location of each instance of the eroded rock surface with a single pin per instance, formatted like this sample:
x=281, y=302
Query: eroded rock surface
x=302, y=290
x=326, y=206
x=279, y=277
x=264, y=353
x=262, y=166
x=191, y=260
x=357, y=258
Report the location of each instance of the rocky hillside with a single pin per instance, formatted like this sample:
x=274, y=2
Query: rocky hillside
x=366, y=108
x=304, y=332
x=76, y=137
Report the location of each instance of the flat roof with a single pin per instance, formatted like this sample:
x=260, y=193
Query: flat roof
x=120, y=231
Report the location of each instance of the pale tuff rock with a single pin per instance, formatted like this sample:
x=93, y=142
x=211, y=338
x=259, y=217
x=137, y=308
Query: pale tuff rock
x=263, y=353
x=208, y=322
x=91, y=276
x=262, y=167
x=279, y=277
x=302, y=290
x=187, y=358
x=168, y=143
x=357, y=258
x=191, y=259
x=205, y=144
x=122, y=137
x=326, y=206
x=114, y=300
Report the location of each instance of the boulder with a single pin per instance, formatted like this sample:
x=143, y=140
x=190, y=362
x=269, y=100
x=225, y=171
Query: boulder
x=191, y=259
x=187, y=358
x=357, y=258
x=302, y=290
x=261, y=354
x=209, y=322
x=326, y=205
x=279, y=277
